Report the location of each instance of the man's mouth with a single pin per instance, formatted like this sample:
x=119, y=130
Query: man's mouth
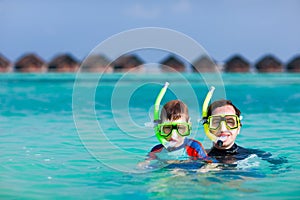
x=223, y=138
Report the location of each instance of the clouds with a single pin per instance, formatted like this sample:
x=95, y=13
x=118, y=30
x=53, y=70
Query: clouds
x=181, y=7
x=141, y=10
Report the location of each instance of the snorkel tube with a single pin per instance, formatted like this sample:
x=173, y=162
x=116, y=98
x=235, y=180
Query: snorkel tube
x=211, y=136
x=157, y=120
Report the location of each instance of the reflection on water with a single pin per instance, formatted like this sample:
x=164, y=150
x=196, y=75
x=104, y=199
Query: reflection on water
x=44, y=156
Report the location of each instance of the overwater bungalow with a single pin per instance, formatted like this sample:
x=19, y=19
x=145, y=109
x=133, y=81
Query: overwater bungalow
x=128, y=63
x=237, y=64
x=204, y=64
x=269, y=64
x=96, y=63
x=172, y=64
x=30, y=63
x=294, y=65
x=63, y=63
x=5, y=64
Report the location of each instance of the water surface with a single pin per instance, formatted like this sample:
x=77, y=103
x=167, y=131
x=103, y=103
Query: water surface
x=80, y=137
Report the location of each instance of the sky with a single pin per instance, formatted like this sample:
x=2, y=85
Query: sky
x=251, y=28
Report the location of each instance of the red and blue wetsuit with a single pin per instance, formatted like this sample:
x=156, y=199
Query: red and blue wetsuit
x=190, y=149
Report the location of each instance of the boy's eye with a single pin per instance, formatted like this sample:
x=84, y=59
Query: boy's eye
x=181, y=129
x=167, y=129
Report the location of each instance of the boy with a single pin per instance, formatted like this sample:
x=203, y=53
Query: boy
x=172, y=132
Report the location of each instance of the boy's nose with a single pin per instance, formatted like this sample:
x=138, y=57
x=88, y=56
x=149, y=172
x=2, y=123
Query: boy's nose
x=174, y=133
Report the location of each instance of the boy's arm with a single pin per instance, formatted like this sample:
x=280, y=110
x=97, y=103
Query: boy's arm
x=196, y=150
x=156, y=149
x=151, y=156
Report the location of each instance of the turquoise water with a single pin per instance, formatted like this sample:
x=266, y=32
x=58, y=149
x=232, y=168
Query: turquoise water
x=80, y=137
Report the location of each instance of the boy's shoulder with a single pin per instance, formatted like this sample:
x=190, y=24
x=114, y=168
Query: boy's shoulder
x=157, y=148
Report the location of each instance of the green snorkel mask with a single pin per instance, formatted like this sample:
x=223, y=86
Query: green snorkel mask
x=211, y=136
x=157, y=120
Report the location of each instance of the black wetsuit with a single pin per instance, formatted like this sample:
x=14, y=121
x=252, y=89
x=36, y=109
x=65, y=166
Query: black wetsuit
x=236, y=153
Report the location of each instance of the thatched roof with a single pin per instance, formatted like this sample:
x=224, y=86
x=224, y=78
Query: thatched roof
x=127, y=63
x=30, y=63
x=96, y=63
x=63, y=63
x=294, y=65
x=237, y=63
x=172, y=64
x=204, y=64
x=5, y=64
x=269, y=63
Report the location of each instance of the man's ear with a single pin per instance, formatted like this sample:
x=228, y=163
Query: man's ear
x=239, y=128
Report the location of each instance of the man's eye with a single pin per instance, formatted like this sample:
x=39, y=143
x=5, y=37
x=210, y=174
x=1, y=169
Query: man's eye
x=216, y=121
x=230, y=122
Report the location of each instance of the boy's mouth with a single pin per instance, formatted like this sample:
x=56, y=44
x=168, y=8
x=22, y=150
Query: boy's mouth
x=173, y=140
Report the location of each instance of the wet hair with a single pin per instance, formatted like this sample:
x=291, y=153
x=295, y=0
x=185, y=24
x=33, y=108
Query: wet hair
x=220, y=103
x=174, y=110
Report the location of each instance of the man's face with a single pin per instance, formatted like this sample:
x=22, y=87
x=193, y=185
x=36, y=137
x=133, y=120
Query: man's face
x=228, y=135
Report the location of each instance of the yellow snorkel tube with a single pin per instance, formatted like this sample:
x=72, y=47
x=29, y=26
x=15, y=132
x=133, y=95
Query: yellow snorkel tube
x=211, y=136
x=157, y=120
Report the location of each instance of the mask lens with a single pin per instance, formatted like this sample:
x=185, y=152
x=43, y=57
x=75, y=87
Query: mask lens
x=215, y=121
x=166, y=129
x=231, y=122
x=182, y=129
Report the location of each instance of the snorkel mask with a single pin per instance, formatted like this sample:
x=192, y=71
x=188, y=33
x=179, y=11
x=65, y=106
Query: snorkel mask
x=211, y=136
x=157, y=120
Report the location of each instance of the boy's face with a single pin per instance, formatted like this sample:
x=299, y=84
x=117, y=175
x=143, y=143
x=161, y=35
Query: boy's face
x=223, y=131
x=175, y=139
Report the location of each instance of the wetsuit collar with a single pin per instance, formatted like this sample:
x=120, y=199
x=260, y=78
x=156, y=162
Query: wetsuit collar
x=231, y=150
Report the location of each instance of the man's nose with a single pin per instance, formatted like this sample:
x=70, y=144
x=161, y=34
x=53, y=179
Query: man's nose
x=223, y=127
